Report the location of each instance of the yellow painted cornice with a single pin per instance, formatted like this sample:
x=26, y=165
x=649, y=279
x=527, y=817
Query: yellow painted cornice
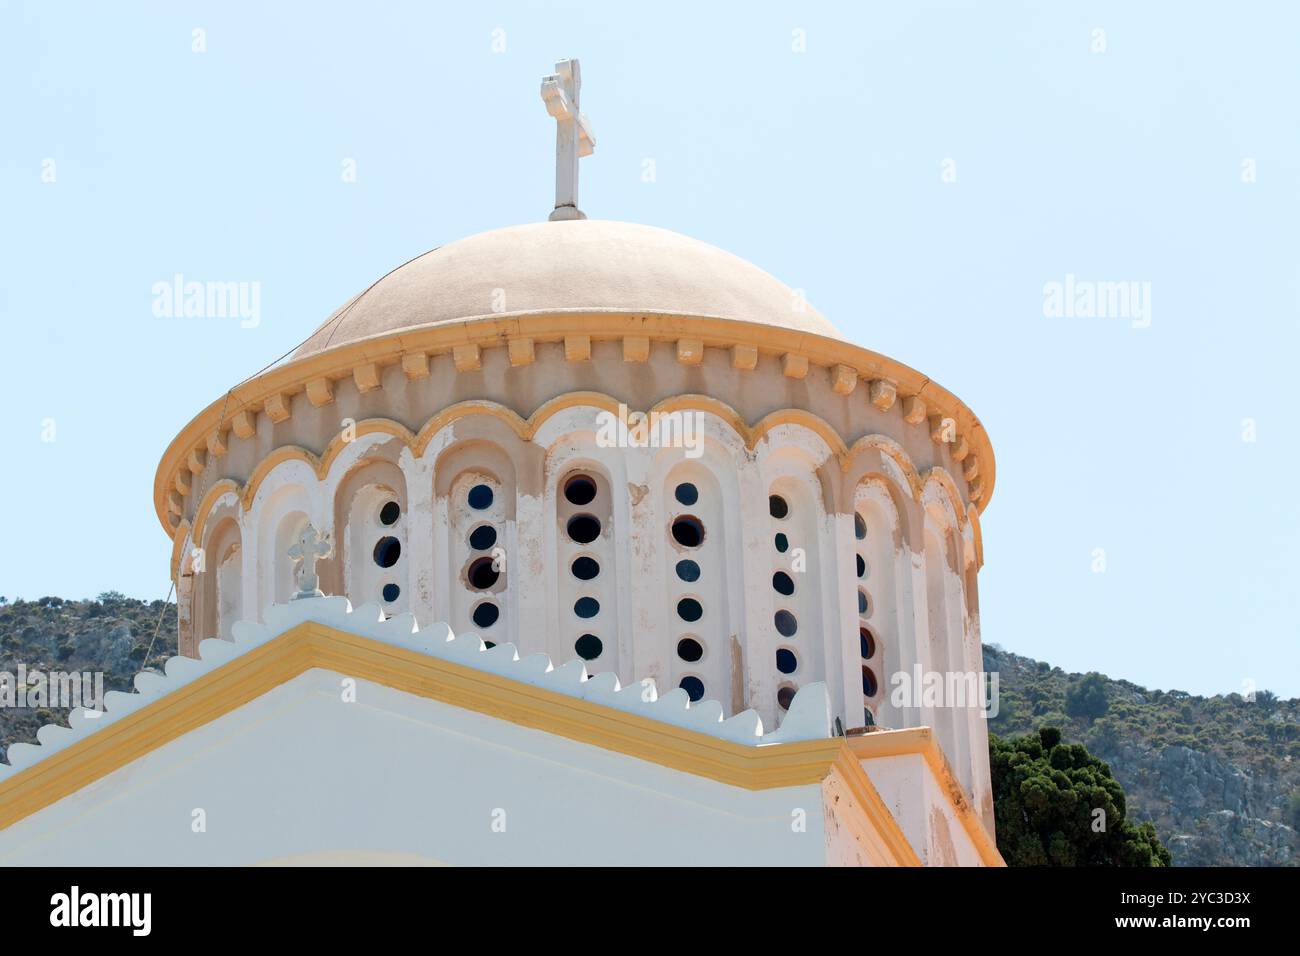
x=276, y=385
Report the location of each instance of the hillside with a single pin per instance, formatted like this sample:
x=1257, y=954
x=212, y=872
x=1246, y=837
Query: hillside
x=110, y=634
x=1219, y=777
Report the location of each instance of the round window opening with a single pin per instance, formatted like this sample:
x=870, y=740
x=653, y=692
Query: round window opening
x=589, y=647
x=862, y=566
x=483, y=537
x=391, y=592
x=687, y=493
x=785, y=696
x=867, y=642
x=777, y=507
x=690, y=650
x=585, y=568
x=786, y=662
x=480, y=497
x=389, y=513
x=694, y=688
x=859, y=527
x=868, y=682
x=782, y=583
x=786, y=624
x=688, y=570
x=486, y=614
x=584, y=528
x=782, y=542
x=387, y=550
x=586, y=607
x=688, y=531
x=481, y=574
x=580, y=490
x=862, y=602
x=689, y=610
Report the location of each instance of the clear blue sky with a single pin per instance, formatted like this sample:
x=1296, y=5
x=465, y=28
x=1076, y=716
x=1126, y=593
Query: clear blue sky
x=824, y=167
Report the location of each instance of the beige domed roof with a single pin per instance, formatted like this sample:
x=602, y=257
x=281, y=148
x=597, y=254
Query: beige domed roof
x=575, y=266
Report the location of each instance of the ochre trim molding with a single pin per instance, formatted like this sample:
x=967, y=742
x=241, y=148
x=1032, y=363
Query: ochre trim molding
x=219, y=489
x=848, y=767
x=921, y=741
x=279, y=384
x=178, y=545
x=527, y=428
x=313, y=645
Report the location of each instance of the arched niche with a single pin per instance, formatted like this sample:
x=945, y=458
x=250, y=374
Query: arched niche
x=281, y=517
x=372, y=554
x=474, y=486
x=881, y=567
x=219, y=574
x=584, y=528
x=800, y=623
x=698, y=525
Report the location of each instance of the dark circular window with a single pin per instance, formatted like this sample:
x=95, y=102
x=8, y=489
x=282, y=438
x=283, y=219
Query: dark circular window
x=862, y=602
x=580, y=490
x=687, y=493
x=481, y=575
x=391, y=592
x=786, y=625
x=586, y=607
x=483, y=537
x=782, y=543
x=486, y=614
x=777, y=507
x=584, y=528
x=588, y=646
x=689, y=609
x=862, y=566
x=859, y=527
x=785, y=697
x=387, y=550
x=480, y=497
x=786, y=662
x=688, y=570
x=694, y=688
x=782, y=583
x=390, y=512
x=688, y=531
x=867, y=642
x=689, y=650
x=585, y=568
x=868, y=682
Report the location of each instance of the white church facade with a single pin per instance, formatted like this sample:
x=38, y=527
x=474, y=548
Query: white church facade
x=624, y=548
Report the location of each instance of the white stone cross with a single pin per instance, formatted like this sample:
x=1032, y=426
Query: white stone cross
x=310, y=548
x=573, y=137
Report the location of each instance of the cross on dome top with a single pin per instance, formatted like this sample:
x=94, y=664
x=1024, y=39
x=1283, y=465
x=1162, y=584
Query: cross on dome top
x=573, y=137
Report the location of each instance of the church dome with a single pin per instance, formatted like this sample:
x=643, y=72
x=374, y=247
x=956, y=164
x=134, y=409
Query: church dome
x=577, y=266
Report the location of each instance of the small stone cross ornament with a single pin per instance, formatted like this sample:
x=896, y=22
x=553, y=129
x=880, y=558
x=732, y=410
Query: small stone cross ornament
x=310, y=548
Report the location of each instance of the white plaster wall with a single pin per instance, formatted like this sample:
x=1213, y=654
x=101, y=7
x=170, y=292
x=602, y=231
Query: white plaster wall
x=299, y=772
x=914, y=797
